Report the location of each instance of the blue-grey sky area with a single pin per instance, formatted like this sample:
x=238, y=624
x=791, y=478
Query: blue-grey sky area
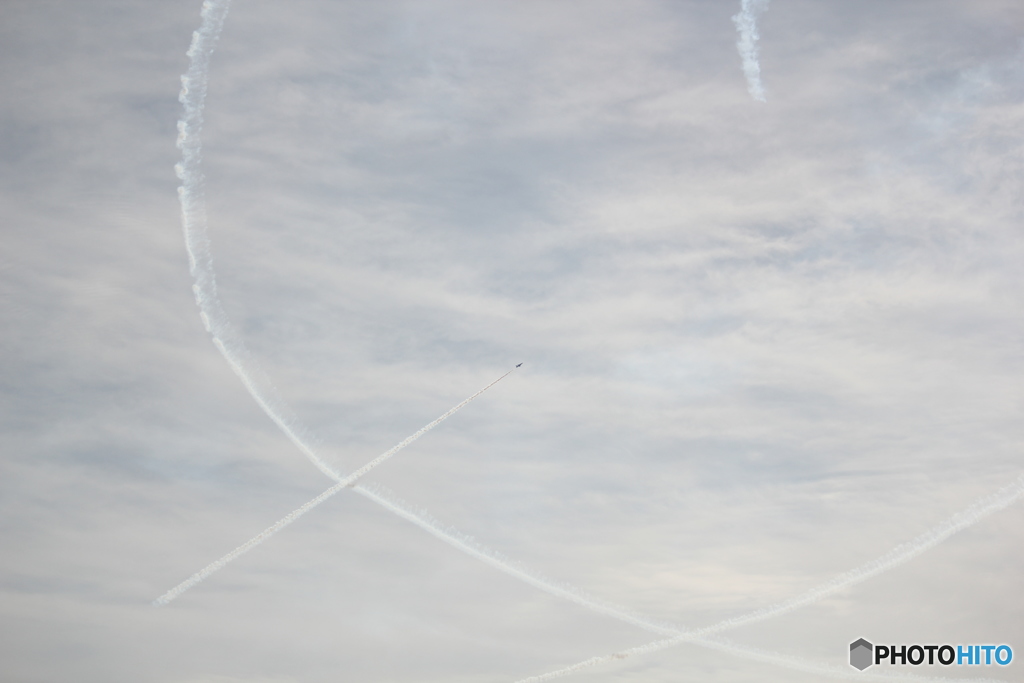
x=763, y=342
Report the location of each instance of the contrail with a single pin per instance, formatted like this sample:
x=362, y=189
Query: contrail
x=746, y=24
x=899, y=555
x=194, y=223
x=344, y=482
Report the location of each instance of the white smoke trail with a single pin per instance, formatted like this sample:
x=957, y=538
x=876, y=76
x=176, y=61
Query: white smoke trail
x=899, y=555
x=746, y=24
x=245, y=547
x=467, y=545
x=343, y=482
x=194, y=224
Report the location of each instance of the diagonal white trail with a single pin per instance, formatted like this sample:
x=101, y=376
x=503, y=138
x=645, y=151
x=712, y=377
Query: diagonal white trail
x=757, y=655
x=245, y=547
x=470, y=547
x=343, y=482
x=899, y=555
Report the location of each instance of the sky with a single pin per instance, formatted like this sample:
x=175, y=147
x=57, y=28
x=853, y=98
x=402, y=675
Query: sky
x=769, y=332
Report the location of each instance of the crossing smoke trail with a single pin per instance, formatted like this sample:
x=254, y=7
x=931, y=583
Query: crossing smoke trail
x=194, y=223
x=282, y=523
x=701, y=636
x=746, y=24
x=899, y=555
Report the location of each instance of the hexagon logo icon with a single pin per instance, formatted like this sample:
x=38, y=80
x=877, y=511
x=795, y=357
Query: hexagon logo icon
x=860, y=654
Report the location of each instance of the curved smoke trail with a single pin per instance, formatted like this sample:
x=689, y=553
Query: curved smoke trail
x=194, y=223
x=746, y=25
x=344, y=482
x=191, y=194
x=899, y=555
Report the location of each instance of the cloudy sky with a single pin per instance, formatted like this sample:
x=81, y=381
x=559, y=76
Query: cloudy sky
x=763, y=342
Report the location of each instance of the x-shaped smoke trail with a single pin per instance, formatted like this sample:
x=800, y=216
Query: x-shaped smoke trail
x=194, y=222
x=343, y=482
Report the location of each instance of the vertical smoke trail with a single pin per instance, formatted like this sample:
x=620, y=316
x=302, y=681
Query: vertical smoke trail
x=194, y=223
x=343, y=482
x=746, y=24
x=899, y=555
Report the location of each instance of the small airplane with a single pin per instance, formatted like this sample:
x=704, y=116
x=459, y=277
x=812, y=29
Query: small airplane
x=518, y=365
